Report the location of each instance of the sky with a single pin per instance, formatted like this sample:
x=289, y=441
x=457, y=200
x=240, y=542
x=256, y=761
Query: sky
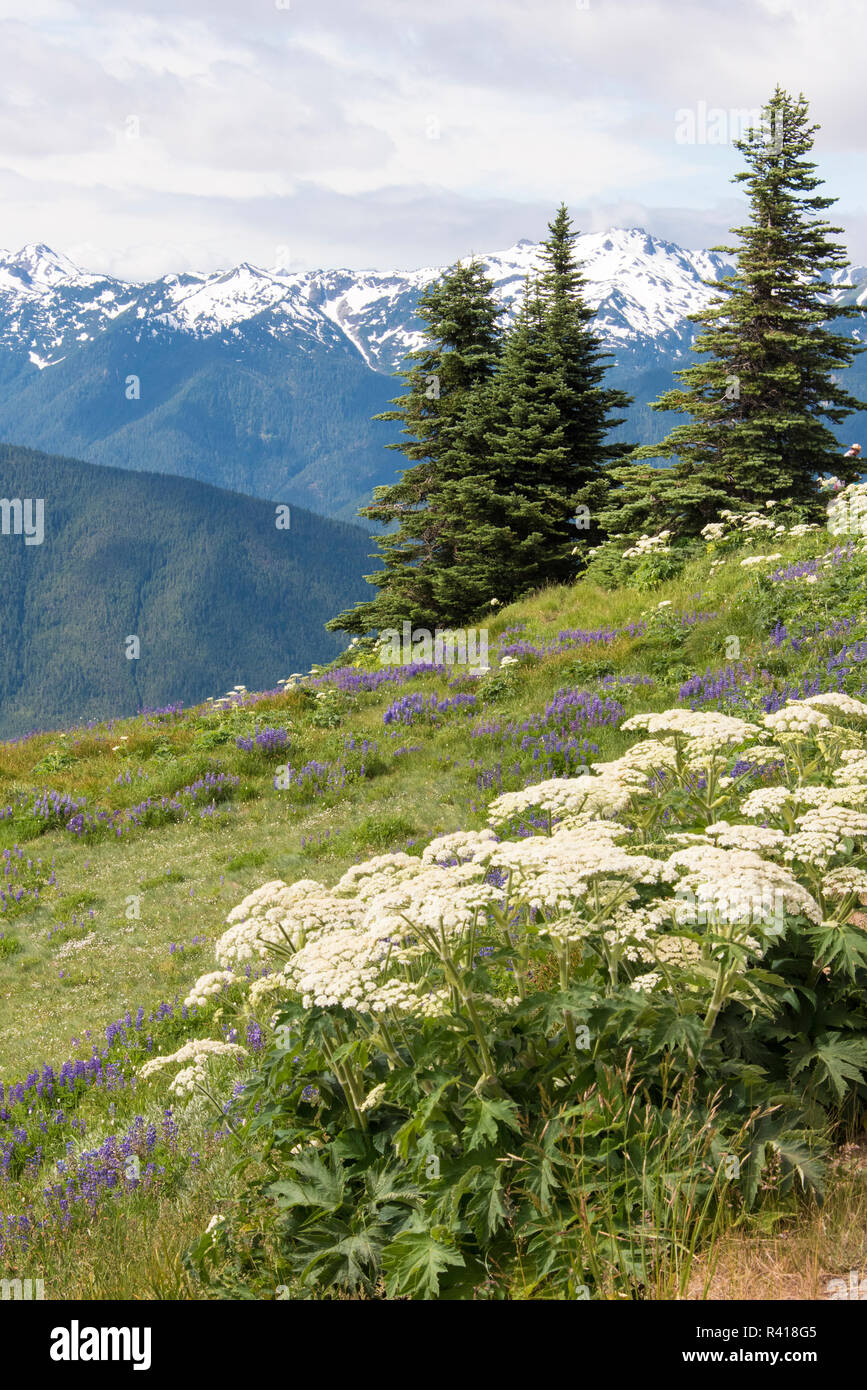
x=172, y=135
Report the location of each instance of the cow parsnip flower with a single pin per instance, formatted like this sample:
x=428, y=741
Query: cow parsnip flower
x=644, y=756
x=605, y=792
x=379, y=943
x=823, y=832
x=762, y=752
x=462, y=845
x=280, y=915
x=852, y=768
x=738, y=881
x=764, y=802
x=756, y=837
x=718, y=730
x=643, y=984
x=838, y=702
x=446, y=899
x=681, y=951
x=796, y=719
x=375, y=870
x=839, y=883
x=208, y=985
x=192, y=1058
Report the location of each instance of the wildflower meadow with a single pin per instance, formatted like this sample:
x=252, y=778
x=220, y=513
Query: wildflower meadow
x=544, y=981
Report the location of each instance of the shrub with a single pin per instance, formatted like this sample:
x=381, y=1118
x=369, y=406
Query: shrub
x=486, y=1059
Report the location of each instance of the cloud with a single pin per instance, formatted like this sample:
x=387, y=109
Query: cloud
x=379, y=132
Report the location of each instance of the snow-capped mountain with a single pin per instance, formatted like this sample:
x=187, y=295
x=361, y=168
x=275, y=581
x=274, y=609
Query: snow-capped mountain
x=643, y=288
x=265, y=379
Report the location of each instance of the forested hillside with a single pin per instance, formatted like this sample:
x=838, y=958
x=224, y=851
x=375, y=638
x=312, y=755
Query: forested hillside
x=213, y=590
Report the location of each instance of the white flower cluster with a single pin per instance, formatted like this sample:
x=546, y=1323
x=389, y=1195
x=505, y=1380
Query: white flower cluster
x=852, y=770
x=643, y=984
x=600, y=793
x=847, y=509
x=847, y=879
x=344, y=968
x=208, y=985
x=739, y=884
x=645, y=756
x=236, y=696
x=760, y=559
x=759, y=838
x=796, y=718
x=749, y=521
x=196, y=1054
x=276, y=914
x=440, y=899
x=460, y=846
x=732, y=524
x=379, y=941
x=766, y=802
x=719, y=730
x=838, y=702
x=823, y=832
x=648, y=545
x=366, y=879
x=762, y=752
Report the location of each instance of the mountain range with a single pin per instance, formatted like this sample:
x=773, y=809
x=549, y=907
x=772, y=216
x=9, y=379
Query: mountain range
x=265, y=381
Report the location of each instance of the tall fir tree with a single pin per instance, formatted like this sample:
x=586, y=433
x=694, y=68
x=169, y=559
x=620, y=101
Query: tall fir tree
x=455, y=364
x=580, y=365
x=759, y=402
x=503, y=526
x=507, y=513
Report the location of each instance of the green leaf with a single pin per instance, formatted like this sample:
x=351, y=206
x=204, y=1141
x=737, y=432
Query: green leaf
x=798, y=1159
x=485, y=1116
x=675, y=1031
x=487, y=1209
x=414, y=1263
x=842, y=947
x=317, y=1185
x=832, y=1059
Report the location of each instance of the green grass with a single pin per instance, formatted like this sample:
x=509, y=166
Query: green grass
x=154, y=888
x=189, y=875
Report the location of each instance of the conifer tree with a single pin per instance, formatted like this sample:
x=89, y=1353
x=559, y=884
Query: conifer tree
x=759, y=401
x=507, y=515
x=456, y=362
x=580, y=364
x=504, y=528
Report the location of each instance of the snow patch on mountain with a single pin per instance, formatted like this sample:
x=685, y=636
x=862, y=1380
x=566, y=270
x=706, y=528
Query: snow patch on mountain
x=642, y=288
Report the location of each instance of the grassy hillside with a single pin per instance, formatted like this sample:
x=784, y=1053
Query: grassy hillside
x=205, y=580
x=122, y=862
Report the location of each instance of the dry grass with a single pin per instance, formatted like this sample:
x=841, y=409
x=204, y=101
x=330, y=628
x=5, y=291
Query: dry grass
x=796, y=1260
